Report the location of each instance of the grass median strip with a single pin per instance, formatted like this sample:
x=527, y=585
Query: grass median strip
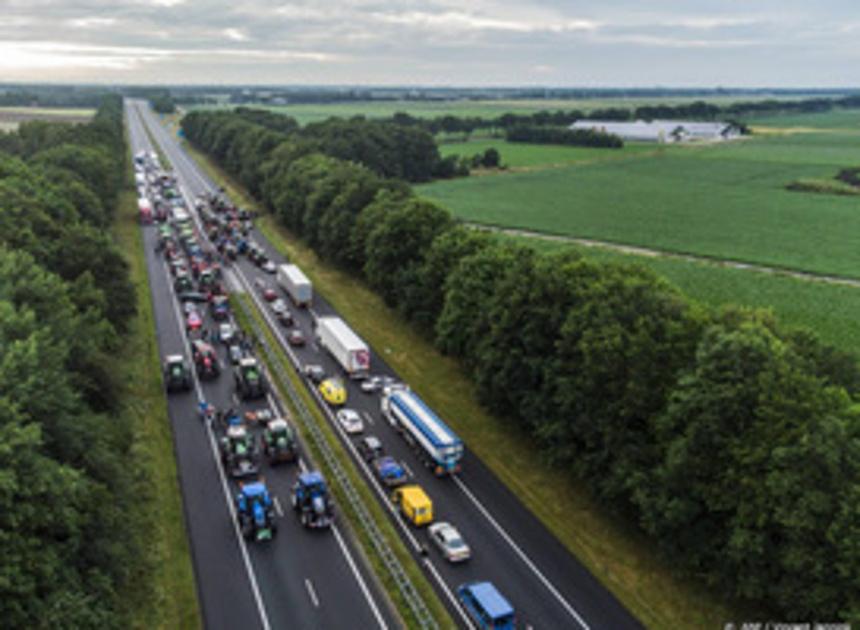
x=615, y=551
x=165, y=596
x=417, y=578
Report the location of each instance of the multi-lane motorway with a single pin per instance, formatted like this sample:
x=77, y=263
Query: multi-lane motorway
x=547, y=586
x=298, y=580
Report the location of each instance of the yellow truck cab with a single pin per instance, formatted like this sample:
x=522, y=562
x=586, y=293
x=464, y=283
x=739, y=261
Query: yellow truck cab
x=414, y=504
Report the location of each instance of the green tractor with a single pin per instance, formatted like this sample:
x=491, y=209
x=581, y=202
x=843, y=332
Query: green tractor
x=279, y=442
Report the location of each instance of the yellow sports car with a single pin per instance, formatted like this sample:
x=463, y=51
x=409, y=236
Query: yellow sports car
x=333, y=391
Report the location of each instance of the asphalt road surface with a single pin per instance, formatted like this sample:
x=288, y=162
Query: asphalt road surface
x=548, y=587
x=300, y=579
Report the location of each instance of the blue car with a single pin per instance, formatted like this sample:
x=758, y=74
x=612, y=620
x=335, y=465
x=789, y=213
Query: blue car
x=486, y=606
x=389, y=471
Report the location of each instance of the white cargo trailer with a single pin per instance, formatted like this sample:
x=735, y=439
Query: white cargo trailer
x=344, y=345
x=296, y=284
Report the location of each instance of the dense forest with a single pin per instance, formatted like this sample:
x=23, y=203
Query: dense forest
x=729, y=439
x=68, y=495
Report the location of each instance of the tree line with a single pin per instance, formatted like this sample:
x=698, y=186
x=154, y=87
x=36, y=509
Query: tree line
x=562, y=135
x=68, y=496
x=729, y=439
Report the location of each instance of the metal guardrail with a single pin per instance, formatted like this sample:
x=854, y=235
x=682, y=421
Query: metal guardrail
x=368, y=524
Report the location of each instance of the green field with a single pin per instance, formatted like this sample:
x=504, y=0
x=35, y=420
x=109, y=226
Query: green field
x=828, y=309
x=842, y=119
x=306, y=113
x=518, y=155
x=11, y=117
x=721, y=201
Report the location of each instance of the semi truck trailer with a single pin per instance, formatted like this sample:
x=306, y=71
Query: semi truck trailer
x=295, y=284
x=438, y=446
x=344, y=345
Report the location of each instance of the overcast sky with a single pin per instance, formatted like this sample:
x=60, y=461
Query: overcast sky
x=434, y=42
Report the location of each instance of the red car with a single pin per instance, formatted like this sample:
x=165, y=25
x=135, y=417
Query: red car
x=269, y=294
x=194, y=321
x=296, y=338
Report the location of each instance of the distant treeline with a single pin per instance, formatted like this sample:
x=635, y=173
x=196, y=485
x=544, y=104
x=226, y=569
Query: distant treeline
x=387, y=149
x=73, y=542
x=729, y=439
x=698, y=110
x=52, y=96
x=562, y=135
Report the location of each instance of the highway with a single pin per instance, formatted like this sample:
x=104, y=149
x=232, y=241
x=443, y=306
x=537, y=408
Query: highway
x=300, y=579
x=548, y=586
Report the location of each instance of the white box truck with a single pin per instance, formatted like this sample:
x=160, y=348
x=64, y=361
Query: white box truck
x=296, y=284
x=344, y=345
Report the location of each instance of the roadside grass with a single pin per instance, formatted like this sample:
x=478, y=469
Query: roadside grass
x=830, y=310
x=422, y=585
x=724, y=202
x=164, y=594
x=614, y=551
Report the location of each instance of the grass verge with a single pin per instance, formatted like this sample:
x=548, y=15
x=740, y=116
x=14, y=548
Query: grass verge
x=614, y=551
x=163, y=595
x=406, y=559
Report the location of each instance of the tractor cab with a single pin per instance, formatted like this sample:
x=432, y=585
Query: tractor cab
x=311, y=500
x=176, y=375
x=255, y=512
x=279, y=442
x=238, y=452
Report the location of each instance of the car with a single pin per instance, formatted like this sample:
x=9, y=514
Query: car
x=269, y=267
x=333, y=391
x=285, y=317
x=371, y=385
x=370, y=447
x=449, y=542
x=269, y=294
x=192, y=296
x=220, y=308
x=487, y=607
x=296, y=337
x=279, y=306
x=350, y=421
x=389, y=471
x=177, y=377
x=234, y=351
x=226, y=333
x=314, y=372
x=193, y=321
x=189, y=307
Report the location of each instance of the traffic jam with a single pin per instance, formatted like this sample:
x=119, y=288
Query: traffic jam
x=199, y=246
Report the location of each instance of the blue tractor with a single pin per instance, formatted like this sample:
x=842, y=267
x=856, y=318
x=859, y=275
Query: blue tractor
x=255, y=512
x=311, y=500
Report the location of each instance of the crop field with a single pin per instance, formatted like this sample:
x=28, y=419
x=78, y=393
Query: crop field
x=11, y=117
x=722, y=201
x=828, y=309
x=841, y=119
x=518, y=155
x=306, y=113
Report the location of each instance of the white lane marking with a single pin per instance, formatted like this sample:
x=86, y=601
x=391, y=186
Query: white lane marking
x=368, y=417
x=528, y=562
x=408, y=470
x=344, y=549
x=255, y=589
x=312, y=593
x=278, y=508
x=455, y=603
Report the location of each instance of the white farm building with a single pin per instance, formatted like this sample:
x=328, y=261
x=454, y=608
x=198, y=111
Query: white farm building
x=662, y=130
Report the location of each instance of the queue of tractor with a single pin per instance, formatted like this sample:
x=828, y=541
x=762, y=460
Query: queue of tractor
x=196, y=275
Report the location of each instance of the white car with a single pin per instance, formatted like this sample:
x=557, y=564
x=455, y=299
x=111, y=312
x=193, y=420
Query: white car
x=269, y=267
x=372, y=384
x=446, y=537
x=350, y=421
x=226, y=332
x=279, y=306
